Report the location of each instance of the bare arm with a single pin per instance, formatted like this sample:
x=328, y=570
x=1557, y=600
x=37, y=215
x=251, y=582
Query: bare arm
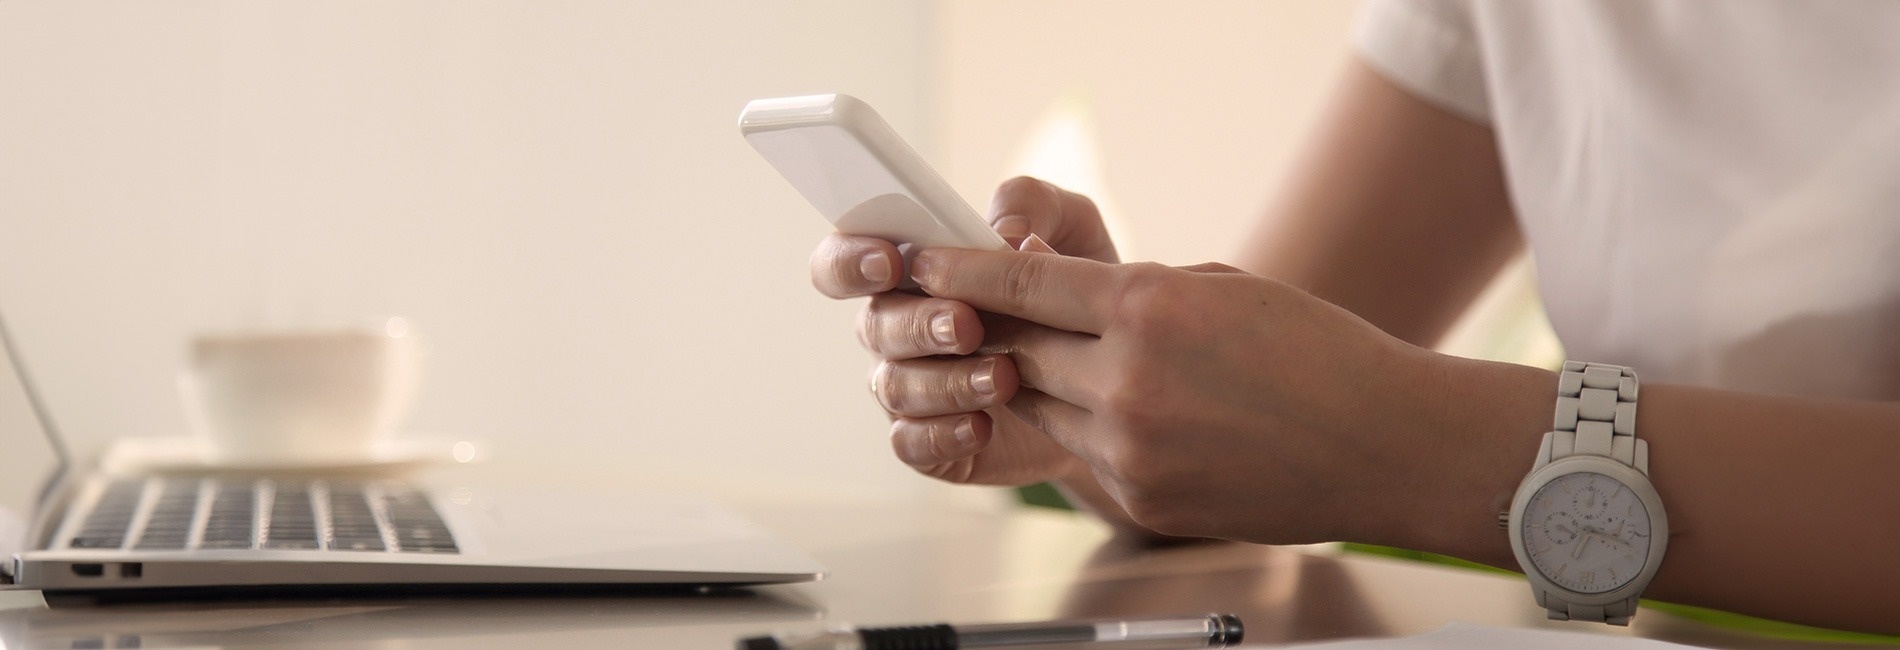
x=1397, y=211
x=1781, y=507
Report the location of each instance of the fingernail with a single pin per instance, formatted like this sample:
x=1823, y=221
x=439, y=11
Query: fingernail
x=1035, y=244
x=966, y=433
x=943, y=328
x=876, y=268
x=920, y=266
x=983, y=381
x=1011, y=226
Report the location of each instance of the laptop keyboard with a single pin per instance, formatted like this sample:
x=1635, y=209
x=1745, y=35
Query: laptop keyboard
x=312, y=515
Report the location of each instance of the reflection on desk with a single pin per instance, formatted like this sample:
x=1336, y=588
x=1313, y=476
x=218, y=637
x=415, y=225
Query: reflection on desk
x=889, y=566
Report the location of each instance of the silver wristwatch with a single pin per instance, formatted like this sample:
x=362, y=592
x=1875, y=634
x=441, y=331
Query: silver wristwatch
x=1586, y=525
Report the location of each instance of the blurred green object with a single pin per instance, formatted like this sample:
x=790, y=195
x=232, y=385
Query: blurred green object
x=1749, y=624
x=1043, y=495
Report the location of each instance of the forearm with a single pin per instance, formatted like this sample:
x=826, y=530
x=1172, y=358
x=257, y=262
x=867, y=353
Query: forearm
x=1782, y=507
x=1396, y=210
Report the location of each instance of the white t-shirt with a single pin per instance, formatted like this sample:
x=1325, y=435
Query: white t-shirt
x=1711, y=190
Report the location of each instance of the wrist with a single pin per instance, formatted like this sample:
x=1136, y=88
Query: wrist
x=1477, y=433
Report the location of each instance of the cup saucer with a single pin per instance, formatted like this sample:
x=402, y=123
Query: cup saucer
x=188, y=454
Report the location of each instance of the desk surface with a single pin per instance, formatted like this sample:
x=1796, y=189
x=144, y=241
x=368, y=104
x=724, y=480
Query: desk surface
x=888, y=566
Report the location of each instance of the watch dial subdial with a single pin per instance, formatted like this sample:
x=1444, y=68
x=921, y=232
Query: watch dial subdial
x=1591, y=502
x=1561, y=529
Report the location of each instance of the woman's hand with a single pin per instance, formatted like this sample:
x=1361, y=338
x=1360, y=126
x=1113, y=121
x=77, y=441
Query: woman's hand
x=1208, y=402
x=946, y=405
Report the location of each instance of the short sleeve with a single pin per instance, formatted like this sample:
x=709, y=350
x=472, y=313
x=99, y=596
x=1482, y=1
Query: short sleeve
x=1428, y=47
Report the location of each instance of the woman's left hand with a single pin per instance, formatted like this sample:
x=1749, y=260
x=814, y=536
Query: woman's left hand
x=1210, y=402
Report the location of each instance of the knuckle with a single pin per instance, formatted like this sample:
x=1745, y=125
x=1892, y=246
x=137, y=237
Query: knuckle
x=959, y=386
x=1130, y=404
x=942, y=439
x=959, y=471
x=1148, y=302
x=1021, y=278
x=824, y=273
x=924, y=444
x=1110, y=462
x=902, y=400
x=1083, y=202
x=925, y=388
x=904, y=444
x=1031, y=413
x=951, y=384
x=1140, y=460
x=894, y=330
x=1132, y=394
x=867, y=330
x=888, y=384
x=832, y=271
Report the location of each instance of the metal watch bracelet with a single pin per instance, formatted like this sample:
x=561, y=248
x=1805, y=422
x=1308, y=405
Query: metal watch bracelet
x=1596, y=415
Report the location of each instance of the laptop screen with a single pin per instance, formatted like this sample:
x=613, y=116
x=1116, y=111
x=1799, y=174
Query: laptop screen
x=28, y=455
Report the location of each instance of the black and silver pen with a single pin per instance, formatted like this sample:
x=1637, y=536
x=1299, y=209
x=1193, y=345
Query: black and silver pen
x=1209, y=631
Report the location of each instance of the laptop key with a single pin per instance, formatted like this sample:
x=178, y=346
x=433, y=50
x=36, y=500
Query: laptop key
x=352, y=522
x=418, y=528
x=169, y=527
x=105, y=526
x=293, y=522
x=229, y=525
x=113, y=541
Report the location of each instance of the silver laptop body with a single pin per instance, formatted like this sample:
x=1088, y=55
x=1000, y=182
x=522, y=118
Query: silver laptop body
x=65, y=531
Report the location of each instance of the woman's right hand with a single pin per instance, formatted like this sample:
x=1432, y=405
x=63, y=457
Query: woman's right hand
x=959, y=430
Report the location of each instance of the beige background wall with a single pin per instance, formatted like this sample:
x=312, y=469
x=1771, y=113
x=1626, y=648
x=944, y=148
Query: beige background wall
x=553, y=192
x=1196, y=107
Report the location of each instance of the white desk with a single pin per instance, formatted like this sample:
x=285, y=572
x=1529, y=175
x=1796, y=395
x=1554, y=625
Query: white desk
x=888, y=566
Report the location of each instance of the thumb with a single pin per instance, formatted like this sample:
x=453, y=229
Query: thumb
x=1067, y=221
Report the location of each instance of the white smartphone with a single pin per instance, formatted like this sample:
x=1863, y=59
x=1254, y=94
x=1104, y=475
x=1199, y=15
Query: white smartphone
x=865, y=179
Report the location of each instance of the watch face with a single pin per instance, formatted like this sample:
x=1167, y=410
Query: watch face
x=1587, y=532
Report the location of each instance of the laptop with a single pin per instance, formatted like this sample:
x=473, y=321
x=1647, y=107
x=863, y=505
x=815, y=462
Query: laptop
x=68, y=531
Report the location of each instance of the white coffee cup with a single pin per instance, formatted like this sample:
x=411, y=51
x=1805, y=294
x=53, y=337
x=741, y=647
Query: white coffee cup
x=299, y=396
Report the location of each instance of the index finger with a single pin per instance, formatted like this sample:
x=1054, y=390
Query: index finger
x=1069, y=293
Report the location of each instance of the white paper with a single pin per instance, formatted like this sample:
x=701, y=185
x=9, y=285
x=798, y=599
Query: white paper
x=20, y=599
x=1467, y=636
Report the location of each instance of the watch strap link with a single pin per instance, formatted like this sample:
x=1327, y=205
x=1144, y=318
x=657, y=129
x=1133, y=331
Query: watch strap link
x=1617, y=613
x=1596, y=415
